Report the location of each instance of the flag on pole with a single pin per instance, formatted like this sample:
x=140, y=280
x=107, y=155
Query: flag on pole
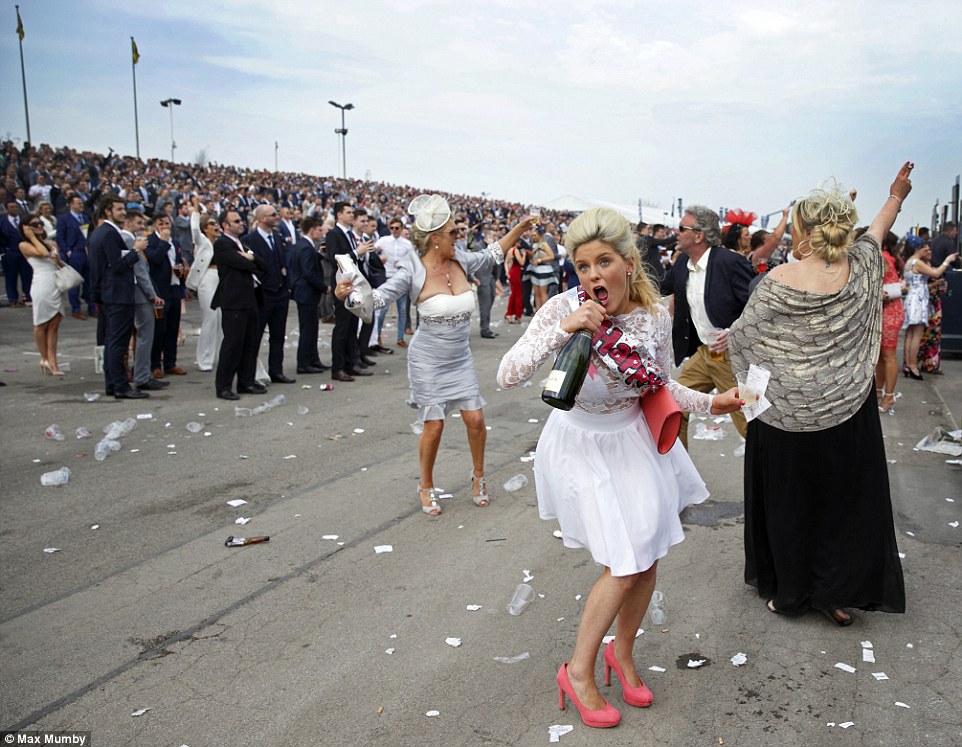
x=133, y=51
x=20, y=32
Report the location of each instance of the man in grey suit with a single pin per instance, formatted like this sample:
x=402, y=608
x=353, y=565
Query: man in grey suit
x=182, y=234
x=146, y=301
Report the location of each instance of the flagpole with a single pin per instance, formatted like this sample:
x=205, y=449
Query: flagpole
x=133, y=70
x=23, y=74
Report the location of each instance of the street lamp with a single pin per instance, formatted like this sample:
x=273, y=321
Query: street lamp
x=170, y=104
x=343, y=133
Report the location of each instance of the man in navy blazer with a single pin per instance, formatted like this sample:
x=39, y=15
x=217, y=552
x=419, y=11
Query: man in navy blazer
x=267, y=243
x=239, y=271
x=341, y=240
x=307, y=286
x=114, y=277
x=710, y=286
x=72, y=242
x=167, y=272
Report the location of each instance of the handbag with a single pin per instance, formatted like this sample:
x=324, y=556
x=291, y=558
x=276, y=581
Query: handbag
x=663, y=416
x=892, y=291
x=67, y=278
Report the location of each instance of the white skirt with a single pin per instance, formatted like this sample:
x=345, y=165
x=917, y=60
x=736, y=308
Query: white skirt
x=602, y=478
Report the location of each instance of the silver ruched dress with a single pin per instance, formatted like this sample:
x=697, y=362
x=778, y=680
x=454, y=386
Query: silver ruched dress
x=441, y=370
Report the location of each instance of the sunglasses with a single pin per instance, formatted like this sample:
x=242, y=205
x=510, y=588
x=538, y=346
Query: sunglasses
x=35, y=225
x=682, y=229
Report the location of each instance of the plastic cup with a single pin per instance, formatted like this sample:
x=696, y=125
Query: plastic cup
x=521, y=599
x=56, y=477
x=712, y=336
x=515, y=483
x=54, y=433
x=656, y=608
x=747, y=394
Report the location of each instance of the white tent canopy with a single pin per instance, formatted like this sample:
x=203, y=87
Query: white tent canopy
x=576, y=204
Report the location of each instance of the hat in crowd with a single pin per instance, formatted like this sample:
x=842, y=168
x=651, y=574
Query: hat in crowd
x=430, y=212
x=913, y=242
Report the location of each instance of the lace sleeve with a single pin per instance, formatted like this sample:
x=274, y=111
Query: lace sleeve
x=543, y=337
x=688, y=399
x=394, y=287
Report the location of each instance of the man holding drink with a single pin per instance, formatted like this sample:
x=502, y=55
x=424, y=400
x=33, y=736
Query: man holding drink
x=710, y=286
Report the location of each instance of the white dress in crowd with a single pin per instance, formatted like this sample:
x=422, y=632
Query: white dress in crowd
x=916, y=301
x=597, y=469
x=47, y=298
x=203, y=280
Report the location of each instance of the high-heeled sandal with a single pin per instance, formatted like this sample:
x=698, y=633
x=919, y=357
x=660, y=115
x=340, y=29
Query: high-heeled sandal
x=603, y=718
x=891, y=408
x=481, y=499
x=44, y=367
x=916, y=376
x=635, y=696
x=433, y=508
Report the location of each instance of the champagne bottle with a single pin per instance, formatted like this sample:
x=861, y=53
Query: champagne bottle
x=569, y=371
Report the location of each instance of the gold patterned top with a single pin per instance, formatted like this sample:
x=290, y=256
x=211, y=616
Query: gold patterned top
x=821, y=348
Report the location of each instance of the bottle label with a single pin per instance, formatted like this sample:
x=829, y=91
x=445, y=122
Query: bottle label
x=556, y=380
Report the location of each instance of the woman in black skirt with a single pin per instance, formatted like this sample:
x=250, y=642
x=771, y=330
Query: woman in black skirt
x=818, y=516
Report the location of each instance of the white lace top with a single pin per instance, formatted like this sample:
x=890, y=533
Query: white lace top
x=603, y=391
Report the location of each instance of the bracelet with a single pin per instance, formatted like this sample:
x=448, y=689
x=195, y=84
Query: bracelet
x=896, y=198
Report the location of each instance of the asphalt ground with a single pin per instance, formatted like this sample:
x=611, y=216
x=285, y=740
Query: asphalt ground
x=286, y=642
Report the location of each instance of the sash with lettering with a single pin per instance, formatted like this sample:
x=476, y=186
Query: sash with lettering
x=639, y=371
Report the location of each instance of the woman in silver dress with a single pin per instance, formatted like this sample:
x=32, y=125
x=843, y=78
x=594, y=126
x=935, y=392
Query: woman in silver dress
x=440, y=368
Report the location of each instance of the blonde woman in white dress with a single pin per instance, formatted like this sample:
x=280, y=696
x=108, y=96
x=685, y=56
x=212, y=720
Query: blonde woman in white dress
x=44, y=259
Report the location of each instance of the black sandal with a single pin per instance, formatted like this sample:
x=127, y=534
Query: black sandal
x=842, y=622
x=770, y=604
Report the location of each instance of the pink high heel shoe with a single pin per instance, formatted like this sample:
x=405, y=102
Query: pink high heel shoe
x=600, y=719
x=636, y=696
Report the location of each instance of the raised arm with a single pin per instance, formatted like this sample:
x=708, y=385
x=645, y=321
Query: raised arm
x=512, y=236
x=924, y=268
x=772, y=241
x=899, y=190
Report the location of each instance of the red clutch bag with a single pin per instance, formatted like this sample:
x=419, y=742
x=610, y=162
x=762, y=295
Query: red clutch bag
x=663, y=416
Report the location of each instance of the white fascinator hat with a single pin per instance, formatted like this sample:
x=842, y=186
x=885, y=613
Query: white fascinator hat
x=430, y=212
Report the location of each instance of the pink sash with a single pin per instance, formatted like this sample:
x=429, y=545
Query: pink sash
x=639, y=370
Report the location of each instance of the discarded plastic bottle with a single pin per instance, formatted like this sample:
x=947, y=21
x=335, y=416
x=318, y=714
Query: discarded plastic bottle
x=277, y=401
x=101, y=451
x=57, y=477
x=195, y=427
x=112, y=444
x=656, y=609
x=515, y=483
x=129, y=424
x=54, y=433
x=261, y=408
x=114, y=430
x=91, y=396
x=243, y=412
x=83, y=432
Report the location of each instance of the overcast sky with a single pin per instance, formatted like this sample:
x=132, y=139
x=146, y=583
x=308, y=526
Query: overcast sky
x=742, y=105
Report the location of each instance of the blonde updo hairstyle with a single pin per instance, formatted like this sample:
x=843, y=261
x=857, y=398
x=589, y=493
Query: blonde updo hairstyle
x=612, y=228
x=826, y=218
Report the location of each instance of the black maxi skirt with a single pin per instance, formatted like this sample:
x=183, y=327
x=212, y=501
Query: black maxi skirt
x=818, y=517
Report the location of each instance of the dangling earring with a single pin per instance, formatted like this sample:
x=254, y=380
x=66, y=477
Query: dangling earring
x=798, y=251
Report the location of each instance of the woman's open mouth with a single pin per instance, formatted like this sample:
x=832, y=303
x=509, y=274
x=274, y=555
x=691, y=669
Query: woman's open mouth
x=601, y=294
